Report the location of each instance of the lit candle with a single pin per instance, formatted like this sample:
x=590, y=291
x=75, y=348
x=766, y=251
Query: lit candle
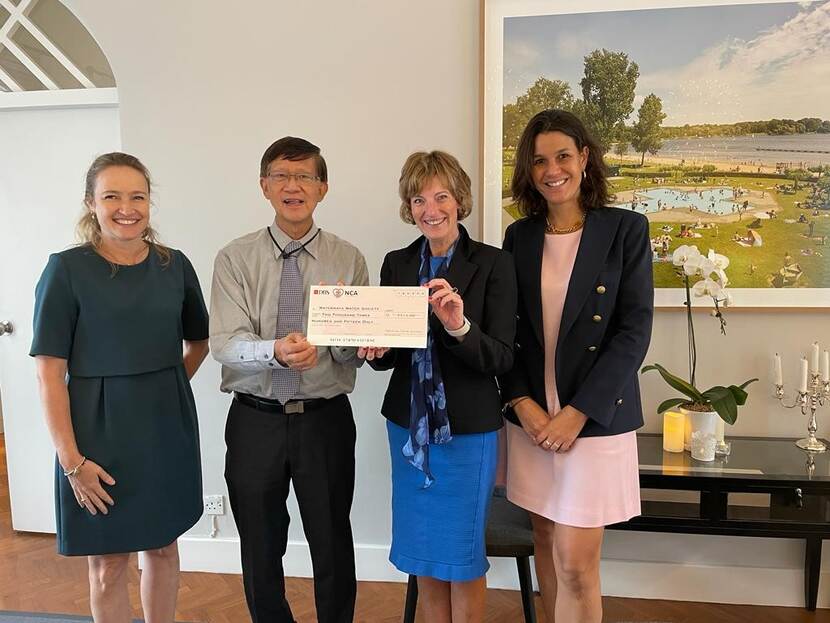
x=803, y=386
x=825, y=366
x=814, y=359
x=673, y=430
x=779, y=376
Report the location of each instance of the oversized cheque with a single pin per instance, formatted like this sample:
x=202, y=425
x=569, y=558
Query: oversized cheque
x=368, y=316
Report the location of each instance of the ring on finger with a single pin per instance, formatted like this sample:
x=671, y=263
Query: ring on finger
x=548, y=443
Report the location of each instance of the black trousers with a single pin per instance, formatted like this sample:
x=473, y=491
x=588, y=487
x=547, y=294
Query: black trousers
x=315, y=449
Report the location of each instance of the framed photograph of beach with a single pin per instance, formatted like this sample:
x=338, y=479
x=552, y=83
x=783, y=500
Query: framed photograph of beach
x=714, y=120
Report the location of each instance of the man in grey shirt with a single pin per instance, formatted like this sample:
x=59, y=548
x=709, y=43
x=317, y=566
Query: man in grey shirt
x=290, y=418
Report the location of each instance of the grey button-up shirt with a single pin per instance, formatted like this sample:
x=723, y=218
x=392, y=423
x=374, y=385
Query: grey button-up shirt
x=243, y=311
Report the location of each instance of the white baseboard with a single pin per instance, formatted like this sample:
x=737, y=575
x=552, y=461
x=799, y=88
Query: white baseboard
x=201, y=553
x=620, y=578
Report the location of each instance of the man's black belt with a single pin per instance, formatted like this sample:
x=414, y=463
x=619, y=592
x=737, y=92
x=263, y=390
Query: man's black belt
x=274, y=406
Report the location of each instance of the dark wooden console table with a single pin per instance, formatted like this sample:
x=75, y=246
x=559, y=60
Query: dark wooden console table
x=798, y=485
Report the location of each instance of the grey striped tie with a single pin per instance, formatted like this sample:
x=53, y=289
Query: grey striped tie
x=285, y=382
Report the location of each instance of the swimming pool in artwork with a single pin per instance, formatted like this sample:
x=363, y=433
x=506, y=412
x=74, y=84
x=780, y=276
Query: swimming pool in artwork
x=717, y=200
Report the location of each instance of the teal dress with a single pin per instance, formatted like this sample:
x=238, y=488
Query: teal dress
x=131, y=404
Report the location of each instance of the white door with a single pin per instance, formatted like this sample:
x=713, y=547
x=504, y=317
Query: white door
x=43, y=159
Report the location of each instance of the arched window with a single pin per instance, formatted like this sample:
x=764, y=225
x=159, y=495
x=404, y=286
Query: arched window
x=45, y=49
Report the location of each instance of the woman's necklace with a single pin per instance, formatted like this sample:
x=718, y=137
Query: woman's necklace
x=550, y=229
x=123, y=261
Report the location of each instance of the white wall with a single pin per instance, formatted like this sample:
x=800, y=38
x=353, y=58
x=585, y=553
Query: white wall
x=203, y=91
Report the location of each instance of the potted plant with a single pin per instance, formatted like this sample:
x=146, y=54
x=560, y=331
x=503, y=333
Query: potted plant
x=702, y=275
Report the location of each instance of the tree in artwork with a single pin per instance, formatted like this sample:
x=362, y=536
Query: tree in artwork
x=607, y=93
x=542, y=95
x=646, y=132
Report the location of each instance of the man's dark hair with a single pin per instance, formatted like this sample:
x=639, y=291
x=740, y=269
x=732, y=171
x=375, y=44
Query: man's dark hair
x=293, y=148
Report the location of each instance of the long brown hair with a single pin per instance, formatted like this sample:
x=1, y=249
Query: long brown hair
x=88, y=229
x=593, y=190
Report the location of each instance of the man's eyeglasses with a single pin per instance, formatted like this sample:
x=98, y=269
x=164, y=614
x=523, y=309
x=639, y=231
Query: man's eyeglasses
x=303, y=179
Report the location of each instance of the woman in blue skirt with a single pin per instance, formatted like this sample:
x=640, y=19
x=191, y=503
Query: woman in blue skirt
x=442, y=405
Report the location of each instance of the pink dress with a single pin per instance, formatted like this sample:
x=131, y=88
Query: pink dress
x=596, y=483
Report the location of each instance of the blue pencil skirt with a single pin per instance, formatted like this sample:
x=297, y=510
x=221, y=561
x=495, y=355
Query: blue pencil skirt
x=438, y=532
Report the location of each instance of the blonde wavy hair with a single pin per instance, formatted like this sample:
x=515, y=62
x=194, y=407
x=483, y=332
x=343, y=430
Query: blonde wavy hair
x=420, y=168
x=88, y=229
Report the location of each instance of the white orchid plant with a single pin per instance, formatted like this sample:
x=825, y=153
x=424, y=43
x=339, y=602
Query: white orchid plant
x=708, y=272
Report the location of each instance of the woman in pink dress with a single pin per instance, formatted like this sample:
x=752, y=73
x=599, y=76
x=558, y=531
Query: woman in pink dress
x=586, y=301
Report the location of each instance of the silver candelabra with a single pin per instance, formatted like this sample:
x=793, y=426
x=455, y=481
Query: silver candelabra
x=811, y=400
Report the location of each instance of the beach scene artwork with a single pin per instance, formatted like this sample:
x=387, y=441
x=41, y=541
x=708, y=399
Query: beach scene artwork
x=714, y=123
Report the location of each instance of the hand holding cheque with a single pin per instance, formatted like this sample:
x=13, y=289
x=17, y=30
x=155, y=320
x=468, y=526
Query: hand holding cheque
x=376, y=318
x=447, y=304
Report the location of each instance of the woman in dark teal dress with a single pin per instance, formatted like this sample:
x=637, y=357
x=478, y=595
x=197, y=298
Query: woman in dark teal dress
x=123, y=319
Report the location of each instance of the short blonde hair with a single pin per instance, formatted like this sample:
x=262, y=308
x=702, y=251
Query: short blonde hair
x=420, y=168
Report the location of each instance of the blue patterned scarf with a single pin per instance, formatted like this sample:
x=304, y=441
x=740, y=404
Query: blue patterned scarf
x=428, y=420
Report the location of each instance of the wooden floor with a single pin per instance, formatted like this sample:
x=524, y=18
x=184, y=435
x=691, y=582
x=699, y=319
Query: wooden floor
x=33, y=578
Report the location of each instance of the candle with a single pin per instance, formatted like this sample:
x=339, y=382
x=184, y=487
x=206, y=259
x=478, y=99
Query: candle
x=673, y=431
x=814, y=359
x=825, y=366
x=779, y=376
x=803, y=387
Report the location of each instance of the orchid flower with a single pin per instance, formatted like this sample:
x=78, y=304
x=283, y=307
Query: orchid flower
x=683, y=253
x=699, y=265
x=707, y=287
x=721, y=261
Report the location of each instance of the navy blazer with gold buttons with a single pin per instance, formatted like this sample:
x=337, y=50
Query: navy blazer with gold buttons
x=606, y=320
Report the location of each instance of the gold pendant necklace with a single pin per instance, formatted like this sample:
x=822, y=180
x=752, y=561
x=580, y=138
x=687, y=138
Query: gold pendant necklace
x=550, y=229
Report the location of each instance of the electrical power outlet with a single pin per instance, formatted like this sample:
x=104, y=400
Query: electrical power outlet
x=214, y=505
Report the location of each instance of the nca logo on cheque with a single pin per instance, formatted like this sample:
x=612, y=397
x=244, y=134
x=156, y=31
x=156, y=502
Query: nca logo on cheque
x=337, y=292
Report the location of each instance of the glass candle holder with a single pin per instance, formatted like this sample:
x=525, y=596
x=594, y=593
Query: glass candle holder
x=723, y=448
x=703, y=446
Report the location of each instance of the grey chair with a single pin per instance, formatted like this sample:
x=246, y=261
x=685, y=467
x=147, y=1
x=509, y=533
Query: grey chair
x=509, y=535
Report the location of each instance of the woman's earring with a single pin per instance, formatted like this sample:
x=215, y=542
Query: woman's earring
x=584, y=174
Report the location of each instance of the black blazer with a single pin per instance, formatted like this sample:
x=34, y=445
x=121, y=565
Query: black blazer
x=606, y=320
x=486, y=280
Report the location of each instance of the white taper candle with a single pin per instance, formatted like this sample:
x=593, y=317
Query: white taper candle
x=779, y=375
